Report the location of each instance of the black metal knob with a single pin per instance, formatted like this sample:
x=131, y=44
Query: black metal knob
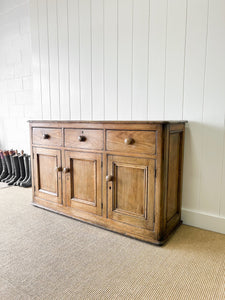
x=46, y=136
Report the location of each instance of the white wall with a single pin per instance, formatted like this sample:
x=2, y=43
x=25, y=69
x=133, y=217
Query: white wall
x=15, y=74
x=140, y=60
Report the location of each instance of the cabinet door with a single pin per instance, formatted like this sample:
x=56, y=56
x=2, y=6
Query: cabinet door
x=47, y=174
x=131, y=183
x=83, y=181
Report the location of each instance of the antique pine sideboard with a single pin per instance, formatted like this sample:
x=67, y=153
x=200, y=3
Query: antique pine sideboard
x=125, y=176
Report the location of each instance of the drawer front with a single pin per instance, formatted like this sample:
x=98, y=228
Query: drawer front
x=131, y=141
x=47, y=136
x=84, y=139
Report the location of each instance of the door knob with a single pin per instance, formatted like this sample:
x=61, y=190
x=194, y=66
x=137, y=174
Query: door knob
x=66, y=170
x=58, y=169
x=128, y=141
x=109, y=178
x=81, y=138
x=46, y=136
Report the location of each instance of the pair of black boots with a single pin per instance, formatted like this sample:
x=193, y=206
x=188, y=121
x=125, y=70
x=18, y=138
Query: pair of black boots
x=15, y=168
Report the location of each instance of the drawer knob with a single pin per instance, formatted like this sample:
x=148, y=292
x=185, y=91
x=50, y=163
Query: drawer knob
x=109, y=178
x=58, y=169
x=66, y=170
x=128, y=141
x=46, y=136
x=81, y=138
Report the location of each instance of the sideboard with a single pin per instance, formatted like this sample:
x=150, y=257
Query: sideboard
x=125, y=176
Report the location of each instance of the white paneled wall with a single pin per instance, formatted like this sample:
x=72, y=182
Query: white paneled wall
x=140, y=60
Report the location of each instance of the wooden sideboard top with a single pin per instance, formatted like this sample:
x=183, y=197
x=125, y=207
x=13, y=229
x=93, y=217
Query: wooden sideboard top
x=108, y=122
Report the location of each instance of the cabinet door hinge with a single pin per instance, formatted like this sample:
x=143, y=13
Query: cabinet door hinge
x=101, y=205
x=101, y=164
x=155, y=172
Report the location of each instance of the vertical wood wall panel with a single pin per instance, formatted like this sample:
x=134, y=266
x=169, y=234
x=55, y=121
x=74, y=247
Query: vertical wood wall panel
x=97, y=60
x=85, y=59
x=222, y=189
x=53, y=59
x=157, y=54
x=125, y=58
x=62, y=10
x=176, y=24
x=194, y=98
x=213, y=110
x=146, y=59
x=44, y=58
x=110, y=59
x=140, y=59
x=74, y=58
x=36, y=70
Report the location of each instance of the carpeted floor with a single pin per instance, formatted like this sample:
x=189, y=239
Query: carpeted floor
x=47, y=256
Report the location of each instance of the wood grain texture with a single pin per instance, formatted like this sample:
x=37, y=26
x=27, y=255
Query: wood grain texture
x=54, y=136
x=93, y=139
x=131, y=191
x=47, y=179
x=173, y=175
x=141, y=141
x=136, y=190
x=83, y=181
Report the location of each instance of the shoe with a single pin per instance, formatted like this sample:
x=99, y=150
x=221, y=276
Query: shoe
x=28, y=183
x=4, y=173
x=8, y=165
x=22, y=169
x=13, y=167
x=26, y=167
x=1, y=167
x=17, y=169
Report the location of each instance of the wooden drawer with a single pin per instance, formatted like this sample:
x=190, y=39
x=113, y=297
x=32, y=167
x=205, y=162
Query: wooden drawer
x=84, y=139
x=131, y=141
x=47, y=136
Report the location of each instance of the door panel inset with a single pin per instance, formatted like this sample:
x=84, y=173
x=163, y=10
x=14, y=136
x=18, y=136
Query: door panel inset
x=47, y=178
x=84, y=176
x=83, y=182
x=47, y=163
x=131, y=191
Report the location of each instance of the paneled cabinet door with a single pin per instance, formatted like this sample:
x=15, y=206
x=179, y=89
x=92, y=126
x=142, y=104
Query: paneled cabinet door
x=83, y=181
x=130, y=185
x=47, y=174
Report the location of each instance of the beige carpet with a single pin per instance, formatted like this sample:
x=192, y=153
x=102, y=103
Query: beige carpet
x=47, y=256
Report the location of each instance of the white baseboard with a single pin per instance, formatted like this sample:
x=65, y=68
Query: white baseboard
x=203, y=220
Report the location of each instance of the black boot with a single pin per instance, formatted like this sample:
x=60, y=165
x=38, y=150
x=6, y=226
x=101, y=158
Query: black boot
x=13, y=168
x=17, y=170
x=26, y=167
x=28, y=183
x=22, y=169
x=4, y=173
x=8, y=165
x=1, y=167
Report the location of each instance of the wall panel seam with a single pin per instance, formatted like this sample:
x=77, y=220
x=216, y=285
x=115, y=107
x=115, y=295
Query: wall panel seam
x=68, y=46
x=49, y=83
x=91, y=40
x=185, y=48
x=132, y=61
x=149, y=7
x=203, y=103
x=38, y=25
x=165, y=59
x=57, y=18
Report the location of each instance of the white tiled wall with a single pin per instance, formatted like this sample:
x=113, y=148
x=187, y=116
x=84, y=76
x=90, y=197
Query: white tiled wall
x=16, y=104
x=124, y=59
